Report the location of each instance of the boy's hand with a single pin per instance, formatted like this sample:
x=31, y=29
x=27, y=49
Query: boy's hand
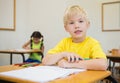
x=63, y=63
x=71, y=57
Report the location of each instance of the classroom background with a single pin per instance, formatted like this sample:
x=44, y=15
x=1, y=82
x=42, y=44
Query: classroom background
x=46, y=16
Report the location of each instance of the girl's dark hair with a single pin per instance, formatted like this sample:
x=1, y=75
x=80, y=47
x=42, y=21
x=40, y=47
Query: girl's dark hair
x=36, y=34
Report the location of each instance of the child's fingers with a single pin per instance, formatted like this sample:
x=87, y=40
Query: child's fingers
x=77, y=59
x=73, y=58
x=70, y=59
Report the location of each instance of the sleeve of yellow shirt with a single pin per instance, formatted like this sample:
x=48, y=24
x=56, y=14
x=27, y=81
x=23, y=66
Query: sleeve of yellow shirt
x=97, y=51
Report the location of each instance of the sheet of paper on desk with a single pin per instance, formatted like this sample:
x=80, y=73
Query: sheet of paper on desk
x=18, y=49
x=21, y=49
x=41, y=73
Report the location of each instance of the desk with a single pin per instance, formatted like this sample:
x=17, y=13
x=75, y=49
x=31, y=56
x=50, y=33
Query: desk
x=112, y=58
x=18, y=51
x=82, y=77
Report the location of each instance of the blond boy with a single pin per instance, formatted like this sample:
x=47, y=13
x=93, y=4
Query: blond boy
x=78, y=50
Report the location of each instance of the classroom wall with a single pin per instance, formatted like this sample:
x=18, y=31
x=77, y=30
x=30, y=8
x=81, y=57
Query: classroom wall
x=47, y=17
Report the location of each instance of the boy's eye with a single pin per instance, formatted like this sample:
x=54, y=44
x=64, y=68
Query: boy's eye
x=81, y=21
x=71, y=23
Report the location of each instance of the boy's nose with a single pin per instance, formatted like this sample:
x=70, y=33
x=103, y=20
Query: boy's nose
x=76, y=25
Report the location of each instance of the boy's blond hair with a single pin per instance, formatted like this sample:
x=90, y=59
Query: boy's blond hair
x=74, y=10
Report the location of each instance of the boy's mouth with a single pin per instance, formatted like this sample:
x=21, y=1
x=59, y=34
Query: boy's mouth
x=78, y=31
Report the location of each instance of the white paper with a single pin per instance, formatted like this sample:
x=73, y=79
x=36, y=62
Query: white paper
x=19, y=49
x=22, y=49
x=41, y=73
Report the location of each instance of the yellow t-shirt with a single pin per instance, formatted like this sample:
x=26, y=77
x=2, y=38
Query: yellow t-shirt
x=89, y=48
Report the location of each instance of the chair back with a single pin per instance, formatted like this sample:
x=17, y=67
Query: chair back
x=116, y=52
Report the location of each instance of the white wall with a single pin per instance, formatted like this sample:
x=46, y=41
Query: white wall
x=47, y=17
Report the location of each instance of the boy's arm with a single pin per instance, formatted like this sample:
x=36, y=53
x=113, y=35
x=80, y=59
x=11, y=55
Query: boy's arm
x=63, y=60
x=92, y=64
x=52, y=59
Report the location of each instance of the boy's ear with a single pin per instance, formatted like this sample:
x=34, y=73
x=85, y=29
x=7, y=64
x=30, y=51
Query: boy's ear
x=65, y=28
x=88, y=24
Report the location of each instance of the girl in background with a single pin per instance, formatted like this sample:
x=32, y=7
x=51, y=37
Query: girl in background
x=36, y=43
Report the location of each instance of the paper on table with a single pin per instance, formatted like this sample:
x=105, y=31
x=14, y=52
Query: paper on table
x=21, y=49
x=41, y=73
x=18, y=49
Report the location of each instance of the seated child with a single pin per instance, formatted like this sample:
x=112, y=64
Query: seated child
x=78, y=50
x=35, y=42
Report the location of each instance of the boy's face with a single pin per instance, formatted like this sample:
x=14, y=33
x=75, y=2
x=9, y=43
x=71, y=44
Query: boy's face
x=77, y=26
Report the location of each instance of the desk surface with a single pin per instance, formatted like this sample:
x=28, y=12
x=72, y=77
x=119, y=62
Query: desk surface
x=82, y=77
x=113, y=56
x=18, y=51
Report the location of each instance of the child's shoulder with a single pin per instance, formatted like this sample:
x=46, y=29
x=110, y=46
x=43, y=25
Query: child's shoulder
x=91, y=39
